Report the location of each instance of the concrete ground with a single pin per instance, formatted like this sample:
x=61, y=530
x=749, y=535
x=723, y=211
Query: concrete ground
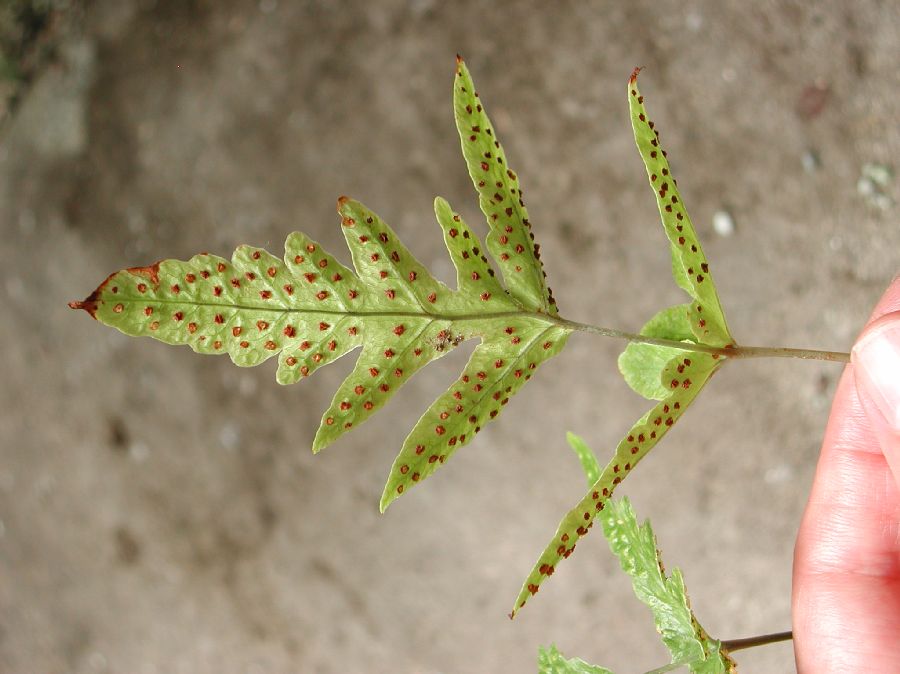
x=161, y=511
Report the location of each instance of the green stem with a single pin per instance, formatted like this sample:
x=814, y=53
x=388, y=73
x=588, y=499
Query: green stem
x=732, y=351
x=724, y=351
x=785, y=352
x=762, y=640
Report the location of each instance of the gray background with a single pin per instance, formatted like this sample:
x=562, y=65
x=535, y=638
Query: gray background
x=161, y=511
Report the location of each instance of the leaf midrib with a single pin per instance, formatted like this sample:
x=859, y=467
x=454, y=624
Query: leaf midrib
x=552, y=320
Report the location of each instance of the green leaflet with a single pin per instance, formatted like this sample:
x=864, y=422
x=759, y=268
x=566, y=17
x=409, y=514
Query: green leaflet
x=309, y=309
x=665, y=595
x=510, y=239
x=642, y=364
x=659, y=373
x=588, y=461
x=686, y=375
x=689, y=265
x=551, y=661
x=635, y=546
x=508, y=354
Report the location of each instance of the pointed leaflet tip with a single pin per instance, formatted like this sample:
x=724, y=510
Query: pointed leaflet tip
x=459, y=59
x=92, y=302
x=690, y=267
x=510, y=240
x=89, y=304
x=634, y=74
x=318, y=443
x=341, y=201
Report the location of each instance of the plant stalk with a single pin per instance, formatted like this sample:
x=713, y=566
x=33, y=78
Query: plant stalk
x=732, y=645
x=723, y=351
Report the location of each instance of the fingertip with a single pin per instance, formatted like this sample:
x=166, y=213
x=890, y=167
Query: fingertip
x=876, y=368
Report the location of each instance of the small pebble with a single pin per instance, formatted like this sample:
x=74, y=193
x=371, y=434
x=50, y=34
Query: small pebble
x=138, y=451
x=810, y=161
x=865, y=187
x=778, y=474
x=874, y=184
x=723, y=223
x=693, y=21
x=880, y=174
x=229, y=437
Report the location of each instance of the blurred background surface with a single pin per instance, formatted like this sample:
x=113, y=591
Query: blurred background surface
x=161, y=511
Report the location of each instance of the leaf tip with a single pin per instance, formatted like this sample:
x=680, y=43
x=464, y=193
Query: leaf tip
x=634, y=74
x=319, y=443
x=459, y=59
x=441, y=207
x=386, y=499
x=89, y=304
x=341, y=201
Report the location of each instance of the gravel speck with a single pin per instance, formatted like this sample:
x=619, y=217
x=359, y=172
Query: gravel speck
x=723, y=223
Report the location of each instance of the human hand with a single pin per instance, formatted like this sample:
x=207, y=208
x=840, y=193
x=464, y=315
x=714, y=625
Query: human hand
x=846, y=595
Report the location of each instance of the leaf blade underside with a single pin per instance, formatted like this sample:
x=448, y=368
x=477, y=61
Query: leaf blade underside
x=586, y=456
x=642, y=365
x=666, y=595
x=492, y=375
x=309, y=310
x=690, y=267
x=687, y=375
x=509, y=240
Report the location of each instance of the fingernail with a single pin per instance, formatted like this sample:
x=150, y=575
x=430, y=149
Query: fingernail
x=876, y=366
